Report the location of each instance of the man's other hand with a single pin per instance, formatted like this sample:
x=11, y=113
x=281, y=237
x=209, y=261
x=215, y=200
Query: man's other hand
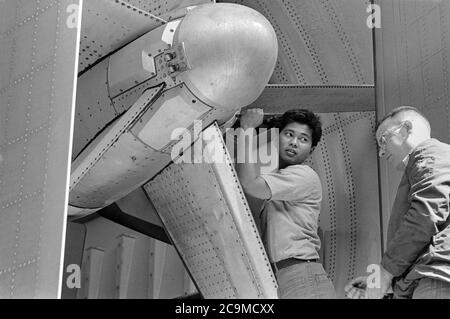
x=356, y=288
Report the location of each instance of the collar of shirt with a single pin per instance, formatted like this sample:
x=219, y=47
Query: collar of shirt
x=406, y=159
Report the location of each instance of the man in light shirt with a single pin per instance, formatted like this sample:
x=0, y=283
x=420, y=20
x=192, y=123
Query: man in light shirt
x=293, y=195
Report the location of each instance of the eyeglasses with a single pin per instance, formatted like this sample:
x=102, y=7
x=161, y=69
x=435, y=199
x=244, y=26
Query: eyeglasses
x=383, y=138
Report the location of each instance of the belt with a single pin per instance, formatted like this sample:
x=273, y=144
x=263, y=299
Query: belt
x=291, y=261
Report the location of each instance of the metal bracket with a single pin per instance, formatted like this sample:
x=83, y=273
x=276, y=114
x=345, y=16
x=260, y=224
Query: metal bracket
x=176, y=60
x=149, y=55
x=148, y=63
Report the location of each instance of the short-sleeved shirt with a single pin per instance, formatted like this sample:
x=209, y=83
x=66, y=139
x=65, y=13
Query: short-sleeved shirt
x=290, y=218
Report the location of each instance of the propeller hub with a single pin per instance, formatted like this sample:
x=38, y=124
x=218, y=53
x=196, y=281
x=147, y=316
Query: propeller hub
x=232, y=51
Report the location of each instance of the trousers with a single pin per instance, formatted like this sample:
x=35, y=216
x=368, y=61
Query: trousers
x=306, y=280
x=430, y=288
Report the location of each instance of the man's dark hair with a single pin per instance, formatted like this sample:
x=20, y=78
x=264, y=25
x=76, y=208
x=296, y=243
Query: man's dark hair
x=399, y=110
x=301, y=116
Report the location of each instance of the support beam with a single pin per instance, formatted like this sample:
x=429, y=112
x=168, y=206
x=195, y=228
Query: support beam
x=92, y=273
x=124, y=258
x=115, y=214
x=319, y=98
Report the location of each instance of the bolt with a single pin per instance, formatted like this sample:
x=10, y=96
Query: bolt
x=168, y=57
x=173, y=68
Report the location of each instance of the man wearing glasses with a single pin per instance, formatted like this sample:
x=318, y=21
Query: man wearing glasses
x=416, y=263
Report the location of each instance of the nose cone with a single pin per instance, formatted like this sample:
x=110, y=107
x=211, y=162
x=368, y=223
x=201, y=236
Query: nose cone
x=232, y=50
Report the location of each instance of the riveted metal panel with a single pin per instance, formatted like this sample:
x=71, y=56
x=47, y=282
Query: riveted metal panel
x=38, y=47
x=114, y=165
x=124, y=101
x=321, y=41
x=110, y=24
x=207, y=216
x=345, y=160
x=135, y=63
x=162, y=8
x=121, y=23
x=104, y=92
x=177, y=109
x=94, y=108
